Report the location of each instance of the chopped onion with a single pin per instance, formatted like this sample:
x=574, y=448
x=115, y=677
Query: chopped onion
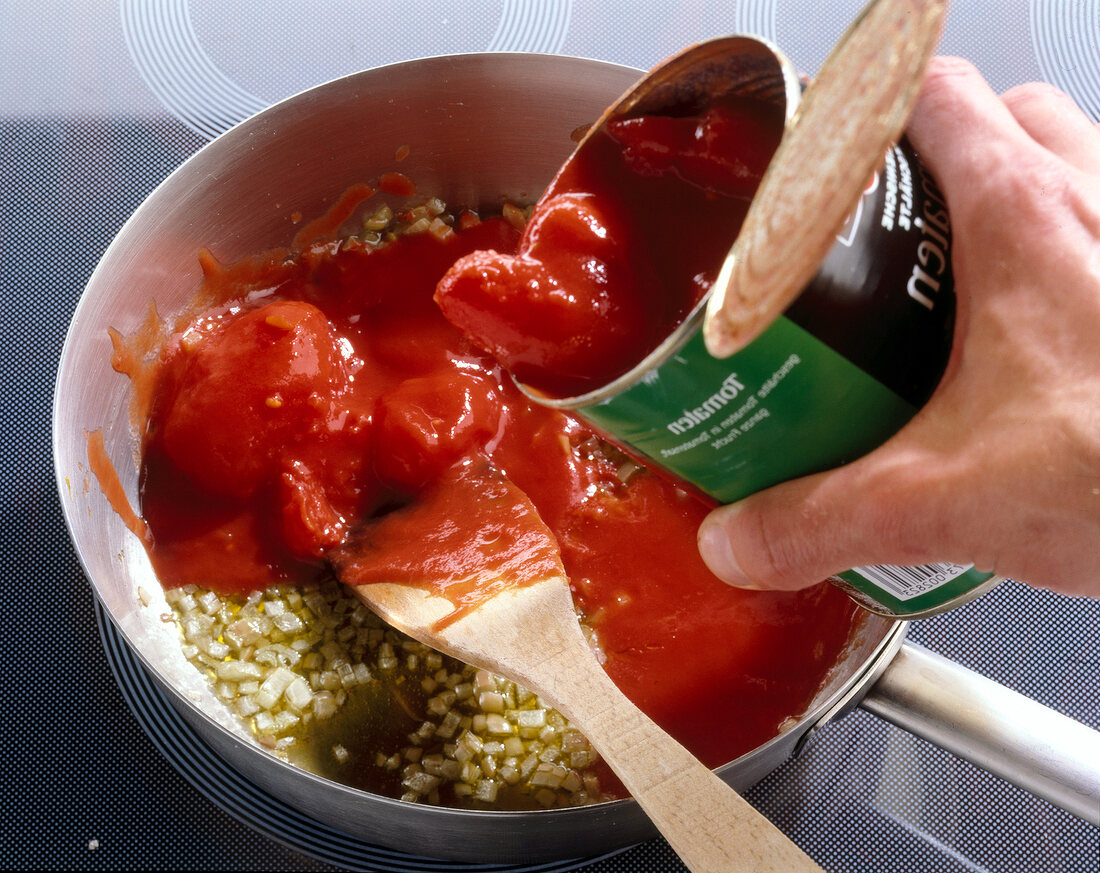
x=287, y=658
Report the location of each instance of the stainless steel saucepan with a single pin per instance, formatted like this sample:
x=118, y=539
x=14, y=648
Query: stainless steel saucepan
x=480, y=128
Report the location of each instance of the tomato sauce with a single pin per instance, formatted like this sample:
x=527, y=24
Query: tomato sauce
x=467, y=537
x=624, y=243
x=321, y=387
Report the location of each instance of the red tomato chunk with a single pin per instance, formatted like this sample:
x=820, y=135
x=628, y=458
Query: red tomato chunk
x=623, y=245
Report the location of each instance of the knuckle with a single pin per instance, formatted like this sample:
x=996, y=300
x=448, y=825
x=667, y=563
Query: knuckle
x=778, y=549
x=901, y=512
x=1032, y=96
x=944, y=75
x=771, y=556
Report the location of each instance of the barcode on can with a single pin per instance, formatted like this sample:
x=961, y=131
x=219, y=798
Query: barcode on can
x=905, y=583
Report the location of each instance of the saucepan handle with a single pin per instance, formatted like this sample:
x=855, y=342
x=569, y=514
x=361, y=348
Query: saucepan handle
x=1042, y=751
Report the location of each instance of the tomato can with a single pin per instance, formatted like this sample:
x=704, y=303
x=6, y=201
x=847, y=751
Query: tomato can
x=842, y=369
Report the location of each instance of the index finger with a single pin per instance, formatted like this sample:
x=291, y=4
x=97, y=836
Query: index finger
x=956, y=119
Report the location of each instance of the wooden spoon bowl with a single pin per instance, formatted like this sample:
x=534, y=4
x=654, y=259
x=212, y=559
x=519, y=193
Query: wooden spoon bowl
x=523, y=627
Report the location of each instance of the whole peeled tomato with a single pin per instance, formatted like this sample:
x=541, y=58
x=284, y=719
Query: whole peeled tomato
x=248, y=389
x=570, y=311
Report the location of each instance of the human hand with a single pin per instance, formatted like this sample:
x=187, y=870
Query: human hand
x=1002, y=466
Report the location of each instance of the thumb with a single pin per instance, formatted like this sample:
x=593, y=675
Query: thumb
x=798, y=533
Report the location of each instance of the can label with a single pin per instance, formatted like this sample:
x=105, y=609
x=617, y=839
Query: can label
x=785, y=406
x=915, y=591
x=845, y=367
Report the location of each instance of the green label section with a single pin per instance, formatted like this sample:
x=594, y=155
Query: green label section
x=785, y=406
x=909, y=591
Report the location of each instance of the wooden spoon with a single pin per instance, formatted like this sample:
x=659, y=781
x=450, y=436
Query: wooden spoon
x=482, y=605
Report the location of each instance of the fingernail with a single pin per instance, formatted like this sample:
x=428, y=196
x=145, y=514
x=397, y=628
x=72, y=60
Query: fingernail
x=717, y=552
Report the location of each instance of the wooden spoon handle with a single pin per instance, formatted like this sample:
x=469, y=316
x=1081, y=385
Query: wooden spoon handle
x=531, y=635
x=709, y=825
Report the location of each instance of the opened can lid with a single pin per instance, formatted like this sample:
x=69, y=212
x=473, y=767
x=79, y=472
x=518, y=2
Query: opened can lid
x=847, y=118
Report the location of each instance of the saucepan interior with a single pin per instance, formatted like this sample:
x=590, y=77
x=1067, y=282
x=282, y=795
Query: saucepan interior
x=479, y=129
